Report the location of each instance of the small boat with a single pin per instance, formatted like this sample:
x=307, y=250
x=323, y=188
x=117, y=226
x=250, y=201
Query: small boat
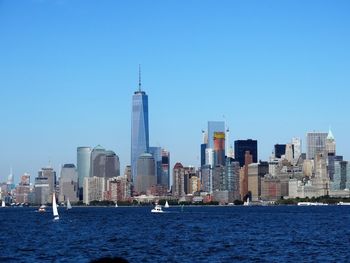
x=116, y=204
x=247, y=203
x=166, y=204
x=54, y=207
x=69, y=206
x=3, y=203
x=343, y=203
x=42, y=209
x=157, y=209
x=311, y=204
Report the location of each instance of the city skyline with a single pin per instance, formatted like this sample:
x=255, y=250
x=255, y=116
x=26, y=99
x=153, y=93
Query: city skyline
x=66, y=96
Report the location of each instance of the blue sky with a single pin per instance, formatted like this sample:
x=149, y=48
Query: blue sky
x=68, y=69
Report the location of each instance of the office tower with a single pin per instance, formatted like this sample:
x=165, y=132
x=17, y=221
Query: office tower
x=83, y=167
x=270, y=188
x=203, y=148
x=112, y=165
x=321, y=179
x=289, y=155
x=157, y=155
x=297, y=148
x=206, y=179
x=98, y=162
x=178, y=187
x=330, y=143
x=68, y=184
x=127, y=173
x=94, y=189
x=219, y=182
x=209, y=157
x=194, y=184
x=139, y=128
x=241, y=146
x=166, y=169
x=280, y=149
x=341, y=178
x=316, y=143
x=244, y=180
x=44, y=185
x=219, y=148
x=10, y=182
x=214, y=126
x=232, y=177
x=23, y=189
x=146, y=173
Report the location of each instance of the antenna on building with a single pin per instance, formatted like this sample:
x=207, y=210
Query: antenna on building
x=139, y=77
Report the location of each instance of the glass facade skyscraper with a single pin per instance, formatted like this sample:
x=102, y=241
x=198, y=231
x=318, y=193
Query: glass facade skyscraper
x=316, y=143
x=214, y=126
x=139, y=129
x=83, y=167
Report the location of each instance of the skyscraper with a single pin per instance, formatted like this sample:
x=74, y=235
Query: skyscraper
x=83, y=167
x=68, y=183
x=166, y=168
x=98, y=162
x=316, y=143
x=146, y=173
x=214, y=126
x=241, y=146
x=219, y=148
x=139, y=127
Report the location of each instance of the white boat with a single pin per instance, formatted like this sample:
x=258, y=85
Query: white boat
x=42, y=209
x=116, y=204
x=311, y=204
x=157, y=209
x=69, y=206
x=343, y=203
x=166, y=205
x=54, y=207
x=247, y=203
x=3, y=203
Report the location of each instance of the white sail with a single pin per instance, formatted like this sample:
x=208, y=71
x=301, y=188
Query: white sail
x=3, y=203
x=69, y=206
x=116, y=204
x=54, y=207
x=166, y=204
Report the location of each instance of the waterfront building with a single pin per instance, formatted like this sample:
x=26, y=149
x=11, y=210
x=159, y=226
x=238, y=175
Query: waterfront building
x=83, y=167
x=219, y=148
x=146, y=173
x=270, y=188
x=23, y=189
x=248, y=159
x=165, y=181
x=112, y=165
x=341, y=179
x=242, y=146
x=214, y=126
x=219, y=182
x=139, y=128
x=280, y=149
x=118, y=189
x=45, y=185
x=316, y=143
x=178, y=187
x=195, y=184
x=68, y=184
x=232, y=176
x=94, y=189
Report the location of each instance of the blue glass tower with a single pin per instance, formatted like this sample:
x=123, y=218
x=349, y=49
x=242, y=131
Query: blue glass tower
x=139, y=127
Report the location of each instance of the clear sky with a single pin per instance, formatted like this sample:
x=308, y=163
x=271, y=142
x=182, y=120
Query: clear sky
x=68, y=69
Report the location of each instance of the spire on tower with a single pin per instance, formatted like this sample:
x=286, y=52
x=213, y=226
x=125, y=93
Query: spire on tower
x=139, y=78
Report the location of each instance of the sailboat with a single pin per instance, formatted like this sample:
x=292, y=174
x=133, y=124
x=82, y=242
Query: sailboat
x=69, y=206
x=116, y=204
x=54, y=207
x=166, y=204
x=3, y=203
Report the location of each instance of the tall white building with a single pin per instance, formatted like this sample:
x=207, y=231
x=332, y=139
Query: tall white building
x=297, y=148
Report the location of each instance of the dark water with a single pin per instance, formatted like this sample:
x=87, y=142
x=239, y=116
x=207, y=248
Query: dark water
x=198, y=234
